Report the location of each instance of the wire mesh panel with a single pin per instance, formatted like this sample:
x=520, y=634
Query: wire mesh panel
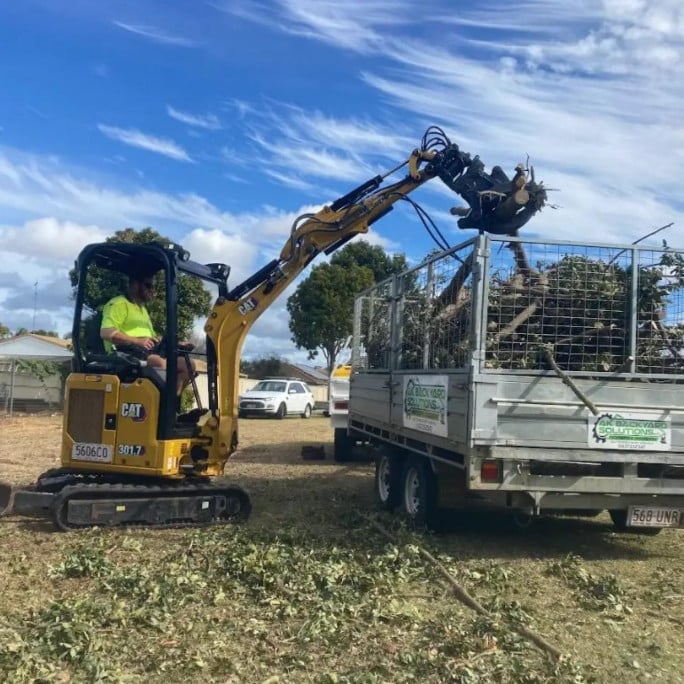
x=594, y=308
x=372, y=328
x=435, y=312
x=660, y=312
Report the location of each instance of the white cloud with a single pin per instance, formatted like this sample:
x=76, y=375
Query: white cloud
x=50, y=239
x=136, y=138
x=156, y=35
x=208, y=246
x=208, y=121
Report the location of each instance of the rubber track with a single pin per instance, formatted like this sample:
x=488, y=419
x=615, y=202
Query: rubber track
x=69, y=485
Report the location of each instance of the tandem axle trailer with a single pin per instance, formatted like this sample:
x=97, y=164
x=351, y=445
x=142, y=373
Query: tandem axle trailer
x=526, y=375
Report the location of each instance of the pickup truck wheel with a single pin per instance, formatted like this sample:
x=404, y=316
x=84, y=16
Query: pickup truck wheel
x=619, y=518
x=282, y=412
x=388, y=481
x=343, y=446
x=419, y=493
x=307, y=411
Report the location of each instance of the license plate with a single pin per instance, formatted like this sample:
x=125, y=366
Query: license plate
x=98, y=453
x=654, y=516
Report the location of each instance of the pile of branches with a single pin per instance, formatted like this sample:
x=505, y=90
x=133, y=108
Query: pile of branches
x=579, y=309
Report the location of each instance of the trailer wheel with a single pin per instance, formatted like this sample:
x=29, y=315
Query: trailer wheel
x=619, y=518
x=388, y=481
x=343, y=446
x=419, y=493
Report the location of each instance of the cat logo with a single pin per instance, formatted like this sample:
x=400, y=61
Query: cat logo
x=136, y=412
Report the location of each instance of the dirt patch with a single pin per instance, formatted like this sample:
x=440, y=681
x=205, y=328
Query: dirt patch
x=306, y=592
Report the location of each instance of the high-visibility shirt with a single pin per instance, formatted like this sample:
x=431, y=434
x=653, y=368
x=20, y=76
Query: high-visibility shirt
x=129, y=318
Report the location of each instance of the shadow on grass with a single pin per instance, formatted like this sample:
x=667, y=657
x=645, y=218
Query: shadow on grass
x=290, y=453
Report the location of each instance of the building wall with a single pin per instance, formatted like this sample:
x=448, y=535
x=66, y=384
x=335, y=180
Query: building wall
x=30, y=393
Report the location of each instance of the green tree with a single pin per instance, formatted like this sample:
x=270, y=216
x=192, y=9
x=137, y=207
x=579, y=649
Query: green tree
x=265, y=367
x=321, y=309
x=374, y=257
x=45, y=333
x=193, y=300
x=4, y=332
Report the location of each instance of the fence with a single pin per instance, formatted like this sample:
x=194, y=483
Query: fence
x=506, y=304
x=22, y=391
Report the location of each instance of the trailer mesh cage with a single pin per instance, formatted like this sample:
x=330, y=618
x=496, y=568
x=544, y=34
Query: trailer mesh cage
x=509, y=305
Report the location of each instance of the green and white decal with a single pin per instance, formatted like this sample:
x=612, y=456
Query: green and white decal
x=425, y=403
x=633, y=431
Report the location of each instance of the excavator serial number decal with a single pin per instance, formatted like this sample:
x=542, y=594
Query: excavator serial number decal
x=99, y=453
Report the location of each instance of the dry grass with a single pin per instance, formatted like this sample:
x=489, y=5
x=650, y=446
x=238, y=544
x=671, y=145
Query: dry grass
x=305, y=592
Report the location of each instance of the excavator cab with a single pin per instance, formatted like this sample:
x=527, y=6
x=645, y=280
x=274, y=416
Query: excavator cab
x=125, y=382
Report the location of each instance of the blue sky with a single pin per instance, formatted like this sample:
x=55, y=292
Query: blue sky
x=219, y=122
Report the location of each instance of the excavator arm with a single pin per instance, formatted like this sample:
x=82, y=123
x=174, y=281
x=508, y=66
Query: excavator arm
x=494, y=204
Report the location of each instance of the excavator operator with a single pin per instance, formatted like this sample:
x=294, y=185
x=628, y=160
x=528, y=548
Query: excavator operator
x=127, y=327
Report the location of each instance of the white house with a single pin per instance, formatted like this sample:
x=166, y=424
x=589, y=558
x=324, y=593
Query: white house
x=23, y=389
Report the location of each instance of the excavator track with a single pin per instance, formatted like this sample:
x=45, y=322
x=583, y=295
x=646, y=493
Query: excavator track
x=82, y=500
x=124, y=505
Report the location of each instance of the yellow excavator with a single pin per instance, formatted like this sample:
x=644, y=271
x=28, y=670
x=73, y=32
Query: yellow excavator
x=128, y=457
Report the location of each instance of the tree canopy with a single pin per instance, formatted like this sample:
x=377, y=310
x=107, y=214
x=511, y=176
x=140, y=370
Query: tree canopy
x=321, y=308
x=193, y=300
x=264, y=367
x=373, y=257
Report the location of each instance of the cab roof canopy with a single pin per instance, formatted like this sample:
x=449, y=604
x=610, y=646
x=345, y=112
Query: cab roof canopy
x=131, y=259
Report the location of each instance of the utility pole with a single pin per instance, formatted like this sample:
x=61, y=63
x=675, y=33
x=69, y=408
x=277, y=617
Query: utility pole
x=35, y=303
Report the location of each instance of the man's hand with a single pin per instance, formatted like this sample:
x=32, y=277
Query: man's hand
x=146, y=343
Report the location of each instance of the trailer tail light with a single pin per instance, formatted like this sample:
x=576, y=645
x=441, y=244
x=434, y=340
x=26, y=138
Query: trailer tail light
x=490, y=470
x=341, y=405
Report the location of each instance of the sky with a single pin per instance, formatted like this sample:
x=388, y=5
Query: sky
x=219, y=122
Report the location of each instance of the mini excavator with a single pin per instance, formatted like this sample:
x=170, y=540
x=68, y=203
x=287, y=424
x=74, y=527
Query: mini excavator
x=128, y=457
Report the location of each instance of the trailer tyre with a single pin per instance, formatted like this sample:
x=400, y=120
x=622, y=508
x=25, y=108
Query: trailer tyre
x=418, y=493
x=619, y=518
x=388, y=481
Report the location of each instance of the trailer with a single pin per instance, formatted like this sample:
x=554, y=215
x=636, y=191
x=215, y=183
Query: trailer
x=531, y=376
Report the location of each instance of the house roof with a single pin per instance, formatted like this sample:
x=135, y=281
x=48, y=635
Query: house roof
x=37, y=347
x=307, y=373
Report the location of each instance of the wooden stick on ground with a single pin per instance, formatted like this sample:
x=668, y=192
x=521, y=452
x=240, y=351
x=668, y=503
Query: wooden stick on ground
x=463, y=595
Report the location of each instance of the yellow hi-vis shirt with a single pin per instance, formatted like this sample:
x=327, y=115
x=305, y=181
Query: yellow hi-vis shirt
x=131, y=319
